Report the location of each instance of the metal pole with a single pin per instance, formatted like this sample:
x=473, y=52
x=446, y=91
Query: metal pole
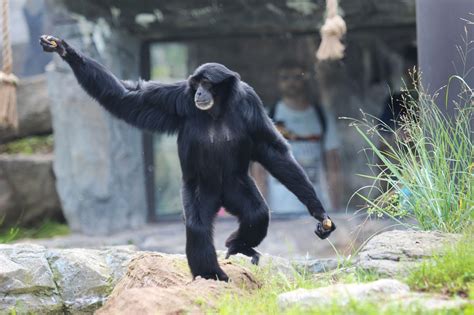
x=440, y=26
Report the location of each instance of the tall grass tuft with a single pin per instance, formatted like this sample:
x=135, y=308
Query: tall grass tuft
x=428, y=162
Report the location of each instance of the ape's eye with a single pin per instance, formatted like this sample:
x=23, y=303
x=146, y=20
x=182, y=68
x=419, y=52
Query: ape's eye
x=194, y=84
x=206, y=83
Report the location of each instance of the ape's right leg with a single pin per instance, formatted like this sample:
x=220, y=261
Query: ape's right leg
x=242, y=199
x=200, y=209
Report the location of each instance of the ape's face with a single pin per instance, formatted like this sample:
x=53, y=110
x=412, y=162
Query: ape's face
x=211, y=83
x=205, y=94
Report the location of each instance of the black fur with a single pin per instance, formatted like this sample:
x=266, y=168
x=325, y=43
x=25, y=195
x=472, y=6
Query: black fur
x=215, y=149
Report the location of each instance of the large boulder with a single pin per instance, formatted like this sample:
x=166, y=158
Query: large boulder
x=387, y=294
x=27, y=189
x=342, y=293
x=160, y=284
x=36, y=280
x=33, y=105
x=395, y=252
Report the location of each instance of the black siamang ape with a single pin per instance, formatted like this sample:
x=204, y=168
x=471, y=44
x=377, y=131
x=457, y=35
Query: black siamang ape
x=221, y=126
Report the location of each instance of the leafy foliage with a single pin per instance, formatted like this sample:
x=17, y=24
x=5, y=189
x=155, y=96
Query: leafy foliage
x=47, y=229
x=28, y=146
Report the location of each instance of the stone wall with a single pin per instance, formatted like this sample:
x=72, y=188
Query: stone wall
x=98, y=159
x=33, y=106
x=27, y=190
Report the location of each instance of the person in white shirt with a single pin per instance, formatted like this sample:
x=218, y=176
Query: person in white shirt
x=311, y=132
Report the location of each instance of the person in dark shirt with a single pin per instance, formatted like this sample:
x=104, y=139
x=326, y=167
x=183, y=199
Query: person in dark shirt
x=396, y=107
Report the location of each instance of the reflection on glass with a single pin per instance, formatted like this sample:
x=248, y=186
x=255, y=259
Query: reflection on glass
x=168, y=64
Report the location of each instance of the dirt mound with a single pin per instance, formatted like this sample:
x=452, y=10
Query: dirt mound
x=161, y=284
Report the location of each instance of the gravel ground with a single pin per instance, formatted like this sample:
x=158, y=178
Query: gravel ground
x=289, y=237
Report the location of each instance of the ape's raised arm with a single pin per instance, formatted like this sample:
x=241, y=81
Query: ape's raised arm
x=272, y=151
x=147, y=105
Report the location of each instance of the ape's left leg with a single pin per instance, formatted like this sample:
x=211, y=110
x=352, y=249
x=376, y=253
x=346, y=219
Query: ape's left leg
x=243, y=199
x=200, y=208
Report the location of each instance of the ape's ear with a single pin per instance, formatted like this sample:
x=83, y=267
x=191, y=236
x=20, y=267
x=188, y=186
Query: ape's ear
x=236, y=75
x=232, y=77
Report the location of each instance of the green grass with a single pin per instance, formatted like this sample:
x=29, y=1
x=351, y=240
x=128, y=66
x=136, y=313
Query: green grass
x=372, y=308
x=264, y=300
x=28, y=146
x=47, y=229
x=427, y=165
x=448, y=272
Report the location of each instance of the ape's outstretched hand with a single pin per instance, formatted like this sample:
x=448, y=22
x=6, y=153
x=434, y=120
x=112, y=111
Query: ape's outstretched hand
x=53, y=44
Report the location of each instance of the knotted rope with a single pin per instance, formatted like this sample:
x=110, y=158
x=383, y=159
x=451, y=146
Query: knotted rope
x=331, y=33
x=8, y=81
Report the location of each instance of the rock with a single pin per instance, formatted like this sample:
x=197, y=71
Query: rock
x=26, y=280
x=28, y=192
x=426, y=302
x=288, y=267
x=86, y=277
x=33, y=105
x=386, y=293
x=34, y=279
x=342, y=293
x=156, y=283
x=395, y=252
x=317, y=265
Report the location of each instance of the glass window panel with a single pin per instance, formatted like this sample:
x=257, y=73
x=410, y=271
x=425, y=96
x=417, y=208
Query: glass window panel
x=168, y=63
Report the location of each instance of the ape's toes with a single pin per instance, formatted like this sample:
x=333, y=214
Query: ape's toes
x=255, y=259
x=232, y=250
x=223, y=277
x=218, y=275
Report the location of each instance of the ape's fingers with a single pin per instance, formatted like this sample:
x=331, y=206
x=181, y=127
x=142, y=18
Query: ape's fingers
x=50, y=43
x=322, y=232
x=47, y=48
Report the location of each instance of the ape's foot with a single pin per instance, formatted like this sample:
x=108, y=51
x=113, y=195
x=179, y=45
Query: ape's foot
x=247, y=251
x=217, y=275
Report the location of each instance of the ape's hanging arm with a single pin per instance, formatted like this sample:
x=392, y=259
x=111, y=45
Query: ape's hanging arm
x=272, y=151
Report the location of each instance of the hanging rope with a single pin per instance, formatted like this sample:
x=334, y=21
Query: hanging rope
x=8, y=81
x=331, y=34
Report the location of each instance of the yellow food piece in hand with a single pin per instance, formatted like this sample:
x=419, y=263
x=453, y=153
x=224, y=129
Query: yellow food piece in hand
x=327, y=224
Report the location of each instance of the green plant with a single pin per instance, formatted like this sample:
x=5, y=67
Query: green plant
x=427, y=163
x=46, y=229
x=30, y=145
x=428, y=167
x=450, y=271
x=264, y=299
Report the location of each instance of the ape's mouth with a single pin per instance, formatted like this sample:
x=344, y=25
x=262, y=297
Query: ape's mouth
x=204, y=105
